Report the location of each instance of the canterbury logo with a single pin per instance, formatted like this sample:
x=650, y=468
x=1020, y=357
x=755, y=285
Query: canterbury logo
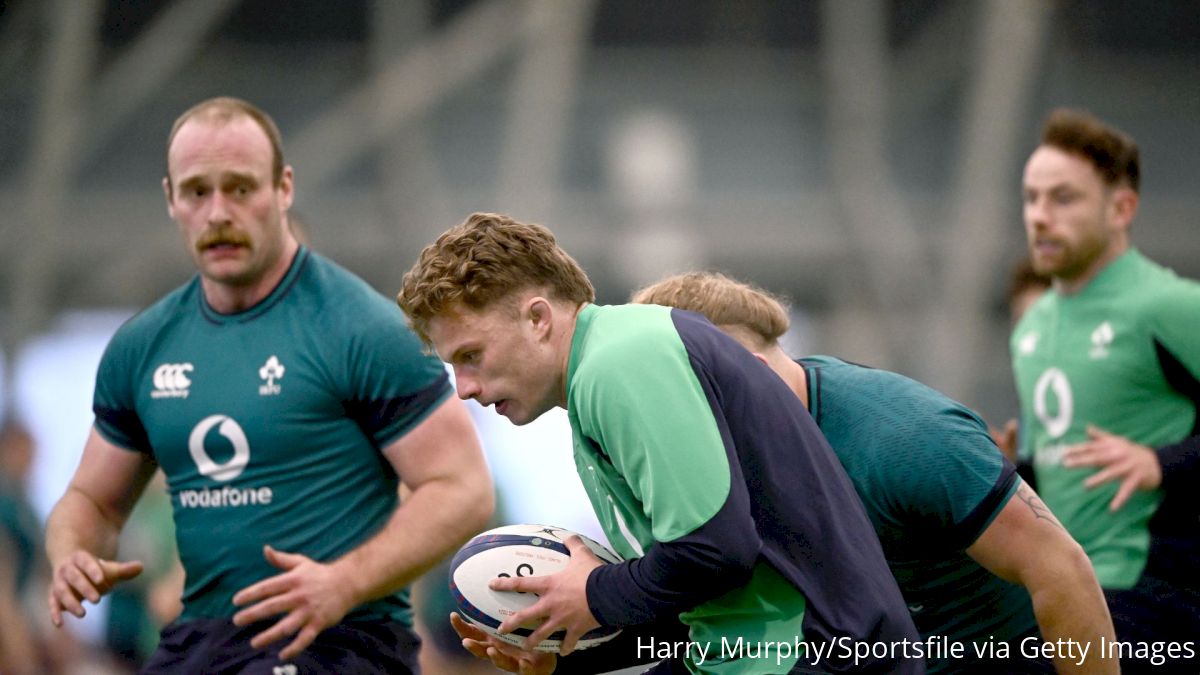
x=171, y=380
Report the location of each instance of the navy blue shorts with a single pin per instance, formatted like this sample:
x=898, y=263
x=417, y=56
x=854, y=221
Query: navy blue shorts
x=217, y=646
x=1155, y=617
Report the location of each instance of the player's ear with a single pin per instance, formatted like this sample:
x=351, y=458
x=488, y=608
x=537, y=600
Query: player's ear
x=166, y=183
x=1124, y=205
x=286, y=187
x=540, y=314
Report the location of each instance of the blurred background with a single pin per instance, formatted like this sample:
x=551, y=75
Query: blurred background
x=860, y=157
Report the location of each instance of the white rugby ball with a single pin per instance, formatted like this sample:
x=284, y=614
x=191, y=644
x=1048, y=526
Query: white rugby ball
x=516, y=551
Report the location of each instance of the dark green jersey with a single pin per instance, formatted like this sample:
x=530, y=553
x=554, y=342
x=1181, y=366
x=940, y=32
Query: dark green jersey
x=932, y=481
x=706, y=472
x=1122, y=354
x=269, y=423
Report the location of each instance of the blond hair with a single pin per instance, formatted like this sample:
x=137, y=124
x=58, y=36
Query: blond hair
x=224, y=109
x=728, y=303
x=485, y=259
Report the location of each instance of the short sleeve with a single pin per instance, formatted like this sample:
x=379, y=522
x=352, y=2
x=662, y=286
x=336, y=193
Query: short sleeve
x=641, y=402
x=114, y=400
x=393, y=382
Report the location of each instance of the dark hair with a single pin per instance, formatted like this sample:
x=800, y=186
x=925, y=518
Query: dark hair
x=1113, y=153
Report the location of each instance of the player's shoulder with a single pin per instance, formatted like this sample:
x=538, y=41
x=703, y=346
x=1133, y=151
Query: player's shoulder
x=178, y=306
x=614, y=328
x=625, y=339
x=1156, y=299
x=344, y=299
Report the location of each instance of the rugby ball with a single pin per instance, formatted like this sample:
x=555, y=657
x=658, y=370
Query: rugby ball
x=516, y=551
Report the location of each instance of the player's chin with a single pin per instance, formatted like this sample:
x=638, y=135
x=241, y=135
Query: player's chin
x=509, y=408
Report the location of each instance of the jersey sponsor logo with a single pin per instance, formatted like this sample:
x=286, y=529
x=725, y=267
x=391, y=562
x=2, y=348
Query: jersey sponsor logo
x=225, y=496
x=1027, y=344
x=1051, y=455
x=171, y=380
x=1054, y=381
x=1102, y=337
x=225, y=471
x=271, y=370
x=233, y=433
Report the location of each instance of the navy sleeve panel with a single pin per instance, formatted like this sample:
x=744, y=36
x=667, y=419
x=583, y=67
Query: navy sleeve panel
x=118, y=425
x=1174, y=532
x=1180, y=460
x=378, y=417
x=1026, y=473
x=678, y=575
x=982, y=515
x=813, y=526
x=1180, y=464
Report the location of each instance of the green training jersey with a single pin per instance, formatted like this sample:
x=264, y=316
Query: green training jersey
x=268, y=423
x=708, y=475
x=1107, y=356
x=932, y=481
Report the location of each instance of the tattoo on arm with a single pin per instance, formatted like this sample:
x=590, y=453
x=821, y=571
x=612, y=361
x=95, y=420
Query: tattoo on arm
x=1035, y=504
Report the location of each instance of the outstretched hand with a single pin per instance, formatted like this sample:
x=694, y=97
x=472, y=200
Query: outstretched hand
x=310, y=595
x=83, y=576
x=506, y=657
x=1135, y=466
x=562, y=601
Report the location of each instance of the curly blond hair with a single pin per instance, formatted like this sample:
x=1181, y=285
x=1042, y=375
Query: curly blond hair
x=485, y=259
x=728, y=303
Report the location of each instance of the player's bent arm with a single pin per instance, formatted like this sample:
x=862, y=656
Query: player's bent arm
x=441, y=462
x=1026, y=545
x=83, y=527
x=677, y=575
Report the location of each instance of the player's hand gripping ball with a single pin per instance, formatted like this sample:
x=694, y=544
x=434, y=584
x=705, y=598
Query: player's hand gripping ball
x=516, y=551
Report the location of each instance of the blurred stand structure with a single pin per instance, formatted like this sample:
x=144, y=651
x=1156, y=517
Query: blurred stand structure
x=862, y=157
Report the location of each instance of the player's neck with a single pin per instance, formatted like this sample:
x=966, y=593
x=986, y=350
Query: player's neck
x=233, y=298
x=565, y=342
x=790, y=372
x=1064, y=286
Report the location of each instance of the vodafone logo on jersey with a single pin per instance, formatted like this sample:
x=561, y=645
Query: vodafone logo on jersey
x=233, y=433
x=222, y=472
x=171, y=380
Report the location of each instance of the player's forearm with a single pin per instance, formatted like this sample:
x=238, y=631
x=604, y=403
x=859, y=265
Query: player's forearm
x=76, y=522
x=1069, y=605
x=437, y=518
x=676, y=576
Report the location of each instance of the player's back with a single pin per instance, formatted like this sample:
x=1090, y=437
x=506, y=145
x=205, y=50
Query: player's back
x=931, y=480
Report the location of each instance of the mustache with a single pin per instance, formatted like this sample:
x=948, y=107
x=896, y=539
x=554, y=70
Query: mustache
x=222, y=237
